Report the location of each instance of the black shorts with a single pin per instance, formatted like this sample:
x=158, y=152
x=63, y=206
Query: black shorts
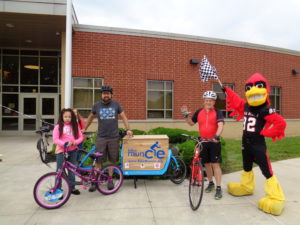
x=109, y=147
x=256, y=152
x=211, y=152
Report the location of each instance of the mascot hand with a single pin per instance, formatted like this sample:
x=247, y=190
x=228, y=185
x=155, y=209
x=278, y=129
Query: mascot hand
x=274, y=127
x=234, y=103
x=271, y=134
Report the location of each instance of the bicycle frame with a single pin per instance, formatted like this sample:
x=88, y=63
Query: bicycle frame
x=80, y=166
x=89, y=178
x=196, y=173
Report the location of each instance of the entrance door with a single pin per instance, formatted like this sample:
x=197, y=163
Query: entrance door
x=35, y=108
x=48, y=108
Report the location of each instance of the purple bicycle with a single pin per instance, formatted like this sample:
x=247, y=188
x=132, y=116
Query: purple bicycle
x=53, y=190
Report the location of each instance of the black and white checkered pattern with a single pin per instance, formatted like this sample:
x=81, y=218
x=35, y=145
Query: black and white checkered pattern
x=207, y=71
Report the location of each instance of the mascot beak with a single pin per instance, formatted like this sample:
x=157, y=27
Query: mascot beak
x=256, y=96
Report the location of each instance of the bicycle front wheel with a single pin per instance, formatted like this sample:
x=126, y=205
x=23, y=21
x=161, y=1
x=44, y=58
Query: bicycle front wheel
x=46, y=196
x=196, y=185
x=177, y=171
x=110, y=180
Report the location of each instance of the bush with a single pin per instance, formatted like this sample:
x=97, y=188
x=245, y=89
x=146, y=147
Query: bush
x=173, y=134
x=138, y=132
x=186, y=151
x=89, y=141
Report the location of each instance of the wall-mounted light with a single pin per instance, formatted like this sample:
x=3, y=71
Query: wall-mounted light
x=194, y=61
x=294, y=71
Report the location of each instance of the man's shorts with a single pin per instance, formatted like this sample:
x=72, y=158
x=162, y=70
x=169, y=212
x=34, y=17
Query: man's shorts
x=109, y=147
x=211, y=152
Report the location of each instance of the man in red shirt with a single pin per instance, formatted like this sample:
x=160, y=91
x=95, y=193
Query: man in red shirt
x=211, y=122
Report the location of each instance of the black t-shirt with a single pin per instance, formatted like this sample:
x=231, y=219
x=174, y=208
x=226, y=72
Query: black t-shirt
x=254, y=120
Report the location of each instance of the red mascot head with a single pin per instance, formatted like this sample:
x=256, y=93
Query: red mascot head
x=257, y=90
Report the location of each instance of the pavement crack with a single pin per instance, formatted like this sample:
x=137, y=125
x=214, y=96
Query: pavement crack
x=150, y=202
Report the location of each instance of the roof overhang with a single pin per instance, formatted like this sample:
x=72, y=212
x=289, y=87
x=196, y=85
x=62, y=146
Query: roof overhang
x=33, y=24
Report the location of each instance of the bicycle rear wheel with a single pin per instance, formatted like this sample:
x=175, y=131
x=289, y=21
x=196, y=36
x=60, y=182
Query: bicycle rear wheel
x=42, y=147
x=109, y=184
x=177, y=171
x=196, y=185
x=46, y=196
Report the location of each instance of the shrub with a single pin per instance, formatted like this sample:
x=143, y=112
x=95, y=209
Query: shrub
x=173, y=134
x=89, y=141
x=138, y=132
x=186, y=151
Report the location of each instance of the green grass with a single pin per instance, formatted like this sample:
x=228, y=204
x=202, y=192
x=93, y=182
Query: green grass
x=280, y=150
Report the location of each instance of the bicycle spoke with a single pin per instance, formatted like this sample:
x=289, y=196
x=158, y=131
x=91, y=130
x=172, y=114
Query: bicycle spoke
x=196, y=186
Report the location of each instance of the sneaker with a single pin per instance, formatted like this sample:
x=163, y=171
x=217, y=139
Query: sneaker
x=75, y=192
x=218, y=194
x=210, y=187
x=92, y=188
x=110, y=185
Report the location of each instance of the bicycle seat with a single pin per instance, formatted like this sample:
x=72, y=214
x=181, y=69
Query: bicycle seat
x=97, y=154
x=93, y=155
x=43, y=129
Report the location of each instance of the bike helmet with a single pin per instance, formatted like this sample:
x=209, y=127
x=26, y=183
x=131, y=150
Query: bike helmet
x=210, y=94
x=106, y=88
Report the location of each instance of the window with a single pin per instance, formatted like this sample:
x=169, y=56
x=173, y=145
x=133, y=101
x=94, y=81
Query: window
x=221, y=103
x=160, y=99
x=86, y=92
x=275, y=98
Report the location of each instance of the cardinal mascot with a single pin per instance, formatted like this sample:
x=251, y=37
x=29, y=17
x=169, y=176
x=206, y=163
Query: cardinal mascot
x=260, y=121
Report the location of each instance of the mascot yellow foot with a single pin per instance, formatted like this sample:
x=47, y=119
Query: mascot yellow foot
x=246, y=187
x=273, y=203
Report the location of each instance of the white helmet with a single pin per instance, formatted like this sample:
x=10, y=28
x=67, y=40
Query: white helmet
x=210, y=94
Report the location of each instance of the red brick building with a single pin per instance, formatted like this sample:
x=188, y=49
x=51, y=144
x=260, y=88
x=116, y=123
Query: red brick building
x=151, y=72
x=129, y=59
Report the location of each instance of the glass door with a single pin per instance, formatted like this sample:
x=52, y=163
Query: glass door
x=48, y=108
x=36, y=108
x=29, y=112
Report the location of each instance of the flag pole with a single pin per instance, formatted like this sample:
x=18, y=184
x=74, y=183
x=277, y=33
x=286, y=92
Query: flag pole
x=220, y=83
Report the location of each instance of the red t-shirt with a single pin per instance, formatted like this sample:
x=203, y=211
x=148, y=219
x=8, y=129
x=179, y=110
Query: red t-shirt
x=208, y=122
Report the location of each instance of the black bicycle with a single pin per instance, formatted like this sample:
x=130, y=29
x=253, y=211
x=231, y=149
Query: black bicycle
x=43, y=144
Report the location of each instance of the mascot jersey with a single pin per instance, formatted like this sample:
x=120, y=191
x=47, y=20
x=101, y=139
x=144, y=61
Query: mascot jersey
x=254, y=121
x=260, y=121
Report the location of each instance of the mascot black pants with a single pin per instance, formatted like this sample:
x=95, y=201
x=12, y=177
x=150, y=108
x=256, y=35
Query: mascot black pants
x=255, y=150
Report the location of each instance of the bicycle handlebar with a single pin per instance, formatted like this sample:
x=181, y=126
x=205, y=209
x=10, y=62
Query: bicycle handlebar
x=197, y=139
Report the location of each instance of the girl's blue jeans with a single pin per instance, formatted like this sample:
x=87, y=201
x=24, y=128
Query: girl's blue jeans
x=72, y=159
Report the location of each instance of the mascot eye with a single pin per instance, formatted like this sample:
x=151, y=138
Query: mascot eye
x=248, y=87
x=260, y=84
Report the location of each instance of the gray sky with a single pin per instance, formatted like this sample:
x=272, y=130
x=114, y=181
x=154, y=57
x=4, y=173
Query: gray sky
x=268, y=22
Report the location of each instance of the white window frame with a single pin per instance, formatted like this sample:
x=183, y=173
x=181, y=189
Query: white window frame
x=93, y=88
x=165, y=101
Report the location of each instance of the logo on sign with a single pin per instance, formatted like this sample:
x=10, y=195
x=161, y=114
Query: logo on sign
x=154, y=151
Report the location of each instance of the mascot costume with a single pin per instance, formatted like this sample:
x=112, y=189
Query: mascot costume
x=260, y=121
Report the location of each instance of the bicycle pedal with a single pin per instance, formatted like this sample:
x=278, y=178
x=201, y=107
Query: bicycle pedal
x=84, y=187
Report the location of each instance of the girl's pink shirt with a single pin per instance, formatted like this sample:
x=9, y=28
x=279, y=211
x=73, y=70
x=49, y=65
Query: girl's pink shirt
x=67, y=136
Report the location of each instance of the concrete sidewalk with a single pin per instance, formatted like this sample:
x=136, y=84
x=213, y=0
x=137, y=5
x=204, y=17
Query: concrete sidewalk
x=154, y=201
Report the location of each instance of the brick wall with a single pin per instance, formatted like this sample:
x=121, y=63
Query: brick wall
x=127, y=62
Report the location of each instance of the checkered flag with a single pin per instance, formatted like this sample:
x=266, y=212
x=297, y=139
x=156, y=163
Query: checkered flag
x=207, y=71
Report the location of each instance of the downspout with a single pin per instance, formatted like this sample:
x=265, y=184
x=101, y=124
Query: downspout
x=68, y=60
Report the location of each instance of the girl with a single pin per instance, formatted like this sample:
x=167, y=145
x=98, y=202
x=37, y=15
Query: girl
x=79, y=120
x=81, y=126
x=67, y=131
